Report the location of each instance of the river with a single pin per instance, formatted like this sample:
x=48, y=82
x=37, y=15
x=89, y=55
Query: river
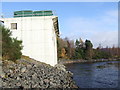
x=96, y=75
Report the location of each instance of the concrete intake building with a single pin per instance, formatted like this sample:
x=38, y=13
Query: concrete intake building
x=38, y=30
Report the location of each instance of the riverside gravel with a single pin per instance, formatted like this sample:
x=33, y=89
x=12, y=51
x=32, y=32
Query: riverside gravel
x=35, y=74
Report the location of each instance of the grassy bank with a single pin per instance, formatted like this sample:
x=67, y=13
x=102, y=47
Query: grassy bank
x=85, y=61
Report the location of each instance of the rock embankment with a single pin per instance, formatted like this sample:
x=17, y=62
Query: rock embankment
x=34, y=74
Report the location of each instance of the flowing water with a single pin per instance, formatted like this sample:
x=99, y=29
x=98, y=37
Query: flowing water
x=96, y=75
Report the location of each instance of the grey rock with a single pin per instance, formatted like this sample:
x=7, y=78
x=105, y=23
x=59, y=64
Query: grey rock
x=18, y=78
x=60, y=66
x=2, y=75
x=23, y=69
x=46, y=80
x=11, y=71
x=18, y=84
x=39, y=75
x=29, y=66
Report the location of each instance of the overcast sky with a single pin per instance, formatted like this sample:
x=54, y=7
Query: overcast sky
x=96, y=21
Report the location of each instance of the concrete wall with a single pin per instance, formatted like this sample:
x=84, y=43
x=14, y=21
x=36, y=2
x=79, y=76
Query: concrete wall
x=38, y=36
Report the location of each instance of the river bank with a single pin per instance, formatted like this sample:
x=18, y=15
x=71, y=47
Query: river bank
x=85, y=61
x=34, y=74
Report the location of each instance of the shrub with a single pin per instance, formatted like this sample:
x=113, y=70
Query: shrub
x=11, y=47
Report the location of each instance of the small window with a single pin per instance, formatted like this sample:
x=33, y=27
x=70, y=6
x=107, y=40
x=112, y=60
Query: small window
x=13, y=25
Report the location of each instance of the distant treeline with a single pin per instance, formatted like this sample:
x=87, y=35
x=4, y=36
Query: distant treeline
x=68, y=49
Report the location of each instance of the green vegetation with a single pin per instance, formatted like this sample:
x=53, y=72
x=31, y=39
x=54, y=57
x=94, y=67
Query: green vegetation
x=99, y=53
x=68, y=49
x=11, y=47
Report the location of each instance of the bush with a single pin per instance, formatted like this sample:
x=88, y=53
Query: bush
x=11, y=47
x=100, y=54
